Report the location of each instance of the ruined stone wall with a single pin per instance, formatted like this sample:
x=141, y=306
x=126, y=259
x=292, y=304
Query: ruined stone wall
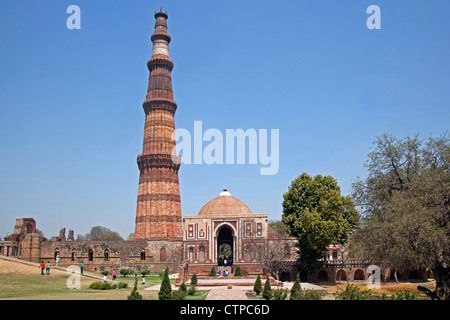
x=108, y=255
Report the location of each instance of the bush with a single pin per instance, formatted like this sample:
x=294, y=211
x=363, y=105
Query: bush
x=125, y=272
x=267, y=292
x=237, y=271
x=165, y=293
x=403, y=295
x=296, y=289
x=145, y=272
x=307, y=295
x=279, y=294
x=192, y=288
x=258, y=285
x=122, y=285
x=183, y=287
x=105, y=272
x=212, y=273
x=353, y=292
x=99, y=285
x=134, y=295
x=179, y=294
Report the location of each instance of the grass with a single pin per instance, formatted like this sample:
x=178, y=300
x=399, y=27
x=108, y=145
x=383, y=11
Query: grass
x=34, y=286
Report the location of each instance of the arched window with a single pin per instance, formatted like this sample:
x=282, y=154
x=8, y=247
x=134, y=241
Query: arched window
x=201, y=252
x=142, y=255
x=162, y=254
x=91, y=255
x=191, y=254
x=73, y=256
x=56, y=253
x=106, y=255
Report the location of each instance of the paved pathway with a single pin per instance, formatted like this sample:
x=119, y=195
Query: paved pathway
x=222, y=293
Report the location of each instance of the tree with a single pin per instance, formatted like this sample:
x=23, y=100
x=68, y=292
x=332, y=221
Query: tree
x=267, y=292
x=258, y=285
x=134, y=295
x=275, y=254
x=212, y=273
x=192, y=287
x=296, y=288
x=315, y=212
x=100, y=233
x=405, y=205
x=165, y=292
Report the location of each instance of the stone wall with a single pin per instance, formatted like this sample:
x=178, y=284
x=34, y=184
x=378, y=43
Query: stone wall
x=108, y=255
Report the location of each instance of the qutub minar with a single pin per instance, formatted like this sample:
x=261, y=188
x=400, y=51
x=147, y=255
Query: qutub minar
x=158, y=213
x=224, y=233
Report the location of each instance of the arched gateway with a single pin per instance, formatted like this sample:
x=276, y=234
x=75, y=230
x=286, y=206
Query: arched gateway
x=223, y=227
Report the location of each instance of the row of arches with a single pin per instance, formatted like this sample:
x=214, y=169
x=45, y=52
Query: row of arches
x=341, y=275
x=106, y=255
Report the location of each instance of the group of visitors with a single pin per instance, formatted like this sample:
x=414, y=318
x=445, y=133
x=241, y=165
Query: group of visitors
x=225, y=272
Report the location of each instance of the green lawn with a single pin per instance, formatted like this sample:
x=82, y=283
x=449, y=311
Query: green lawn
x=53, y=287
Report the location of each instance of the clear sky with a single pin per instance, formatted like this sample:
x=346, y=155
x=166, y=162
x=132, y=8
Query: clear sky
x=71, y=117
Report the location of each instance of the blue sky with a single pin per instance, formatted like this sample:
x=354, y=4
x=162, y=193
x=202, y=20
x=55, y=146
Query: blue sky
x=71, y=117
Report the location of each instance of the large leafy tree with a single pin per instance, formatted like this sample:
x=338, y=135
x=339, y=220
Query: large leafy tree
x=405, y=205
x=100, y=233
x=315, y=212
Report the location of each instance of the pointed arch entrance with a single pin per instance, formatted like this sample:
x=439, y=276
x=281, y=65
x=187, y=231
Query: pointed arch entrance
x=225, y=245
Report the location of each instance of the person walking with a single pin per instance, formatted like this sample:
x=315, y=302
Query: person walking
x=47, y=268
x=81, y=267
x=114, y=274
x=135, y=279
x=42, y=265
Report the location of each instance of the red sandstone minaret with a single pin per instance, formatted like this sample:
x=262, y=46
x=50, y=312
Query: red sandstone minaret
x=158, y=213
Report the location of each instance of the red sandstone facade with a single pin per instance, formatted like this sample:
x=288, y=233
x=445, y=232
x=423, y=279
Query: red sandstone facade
x=158, y=213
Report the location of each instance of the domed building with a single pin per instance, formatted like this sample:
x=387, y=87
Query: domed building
x=224, y=233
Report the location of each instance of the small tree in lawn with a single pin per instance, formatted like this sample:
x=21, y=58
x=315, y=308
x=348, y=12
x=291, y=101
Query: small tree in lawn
x=296, y=288
x=134, y=295
x=267, y=292
x=212, y=273
x=183, y=287
x=237, y=272
x=192, y=290
x=145, y=272
x=258, y=285
x=165, y=293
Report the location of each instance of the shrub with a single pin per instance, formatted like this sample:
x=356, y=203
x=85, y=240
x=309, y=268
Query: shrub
x=353, y=292
x=122, y=285
x=145, y=272
x=105, y=272
x=165, y=293
x=307, y=295
x=192, y=288
x=279, y=294
x=99, y=285
x=267, y=292
x=125, y=272
x=183, y=287
x=237, y=271
x=212, y=273
x=178, y=294
x=194, y=280
x=296, y=289
x=134, y=295
x=403, y=295
x=258, y=285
